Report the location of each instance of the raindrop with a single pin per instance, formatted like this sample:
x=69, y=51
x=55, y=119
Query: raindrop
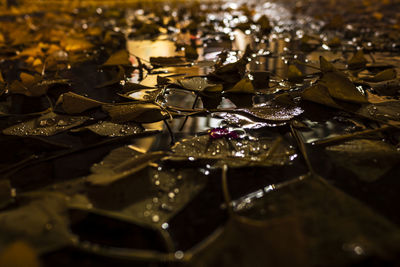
x=155, y=218
x=179, y=255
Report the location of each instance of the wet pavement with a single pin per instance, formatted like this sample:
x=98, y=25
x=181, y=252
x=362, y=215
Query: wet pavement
x=201, y=134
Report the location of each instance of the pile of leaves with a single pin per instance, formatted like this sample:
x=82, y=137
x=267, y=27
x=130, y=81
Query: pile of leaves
x=212, y=156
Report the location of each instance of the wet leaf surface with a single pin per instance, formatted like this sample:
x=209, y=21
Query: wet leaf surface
x=46, y=125
x=193, y=134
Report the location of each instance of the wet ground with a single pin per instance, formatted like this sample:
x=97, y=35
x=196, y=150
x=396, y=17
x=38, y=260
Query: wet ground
x=187, y=134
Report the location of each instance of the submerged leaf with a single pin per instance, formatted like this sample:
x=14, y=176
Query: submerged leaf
x=325, y=229
x=146, y=195
x=115, y=167
x=368, y=159
x=46, y=125
x=43, y=223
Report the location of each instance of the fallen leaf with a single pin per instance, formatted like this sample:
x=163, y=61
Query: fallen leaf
x=111, y=129
x=386, y=75
x=341, y=88
x=46, y=125
x=244, y=86
x=358, y=61
x=368, y=159
x=294, y=74
x=120, y=57
x=74, y=104
x=142, y=113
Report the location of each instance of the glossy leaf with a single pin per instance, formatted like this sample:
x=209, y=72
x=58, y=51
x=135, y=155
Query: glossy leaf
x=142, y=113
x=46, y=125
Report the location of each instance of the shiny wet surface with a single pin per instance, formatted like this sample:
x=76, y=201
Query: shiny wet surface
x=219, y=168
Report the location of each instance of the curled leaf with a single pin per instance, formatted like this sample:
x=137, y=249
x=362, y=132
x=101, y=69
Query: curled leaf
x=358, y=60
x=341, y=88
x=74, y=104
x=385, y=75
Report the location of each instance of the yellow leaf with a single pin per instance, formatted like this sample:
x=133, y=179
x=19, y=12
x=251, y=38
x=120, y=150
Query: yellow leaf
x=76, y=44
x=28, y=79
x=377, y=15
x=121, y=57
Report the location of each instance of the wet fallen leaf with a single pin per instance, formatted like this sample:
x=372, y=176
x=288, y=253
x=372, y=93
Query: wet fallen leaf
x=43, y=223
x=110, y=129
x=142, y=113
x=72, y=44
x=117, y=76
x=273, y=112
x=191, y=53
x=199, y=84
x=301, y=200
x=382, y=76
x=358, y=61
x=120, y=57
x=235, y=152
x=341, y=88
x=319, y=94
x=46, y=125
x=294, y=74
x=368, y=159
x=115, y=167
x=74, y=104
x=167, y=61
x=244, y=86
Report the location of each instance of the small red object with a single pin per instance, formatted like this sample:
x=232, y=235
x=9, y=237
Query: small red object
x=218, y=133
